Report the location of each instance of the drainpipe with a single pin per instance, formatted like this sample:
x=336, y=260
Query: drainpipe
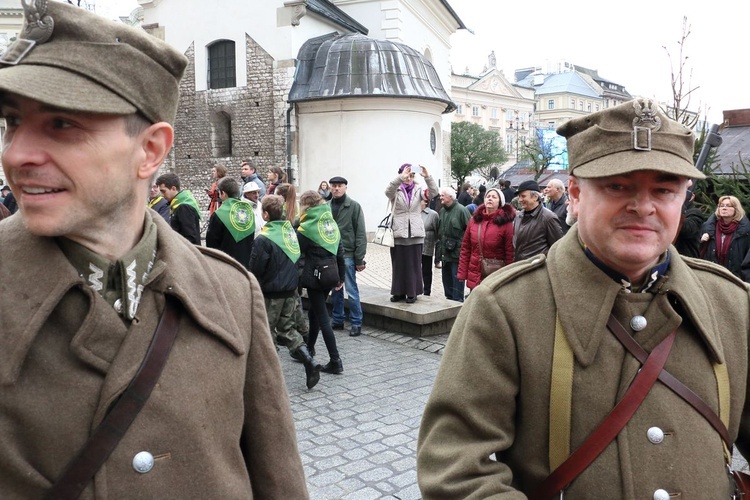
x=289, y=143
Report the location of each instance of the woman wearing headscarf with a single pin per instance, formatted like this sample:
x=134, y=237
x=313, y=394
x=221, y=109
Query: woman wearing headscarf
x=726, y=237
x=489, y=235
x=408, y=233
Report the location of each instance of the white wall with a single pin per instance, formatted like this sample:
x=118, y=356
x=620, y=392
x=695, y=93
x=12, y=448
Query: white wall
x=366, y=140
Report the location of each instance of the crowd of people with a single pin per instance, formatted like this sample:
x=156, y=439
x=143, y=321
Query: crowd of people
x=137, y=362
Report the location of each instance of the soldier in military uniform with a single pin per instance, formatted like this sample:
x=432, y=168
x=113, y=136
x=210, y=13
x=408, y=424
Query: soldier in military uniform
x=536, y=361
x=86, y=274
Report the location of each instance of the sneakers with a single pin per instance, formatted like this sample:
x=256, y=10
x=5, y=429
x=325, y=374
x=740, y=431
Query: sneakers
x=337, y=326
x=356, y=331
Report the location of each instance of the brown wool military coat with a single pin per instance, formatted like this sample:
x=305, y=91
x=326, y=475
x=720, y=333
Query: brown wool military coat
x=493, y=388
x=218, y=422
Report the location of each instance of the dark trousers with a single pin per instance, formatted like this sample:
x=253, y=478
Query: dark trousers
x=453, y=288
x=319, y=320
x=427, y=273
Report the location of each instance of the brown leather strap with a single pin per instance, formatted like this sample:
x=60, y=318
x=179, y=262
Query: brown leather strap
x=670, y=381
x=598, y=441
x=81, y=469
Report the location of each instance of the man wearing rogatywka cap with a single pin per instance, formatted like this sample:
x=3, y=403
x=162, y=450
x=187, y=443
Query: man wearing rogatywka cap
x=543, y=350
x=107, y=314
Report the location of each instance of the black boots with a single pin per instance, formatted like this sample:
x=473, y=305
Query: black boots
x=312, y=368
x=334, y=366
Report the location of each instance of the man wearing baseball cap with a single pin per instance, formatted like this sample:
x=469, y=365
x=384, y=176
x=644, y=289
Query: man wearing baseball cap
x=132, y=364
x=612, y=367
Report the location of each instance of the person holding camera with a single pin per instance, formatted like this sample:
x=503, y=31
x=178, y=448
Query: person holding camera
x=454, y=218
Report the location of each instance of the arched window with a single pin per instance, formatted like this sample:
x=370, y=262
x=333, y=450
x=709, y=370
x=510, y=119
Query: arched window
x=221, y=134
x=221, y=65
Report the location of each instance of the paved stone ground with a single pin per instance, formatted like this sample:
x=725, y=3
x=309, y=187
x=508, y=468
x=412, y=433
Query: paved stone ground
x=357, y=432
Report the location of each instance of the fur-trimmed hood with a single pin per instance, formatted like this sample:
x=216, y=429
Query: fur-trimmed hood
x=504, y=214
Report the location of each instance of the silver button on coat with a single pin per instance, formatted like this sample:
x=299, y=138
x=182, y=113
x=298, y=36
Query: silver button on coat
x=661, y=494
x=118, y=306
x=655, y=435
x=143, y=462
x=638, y=323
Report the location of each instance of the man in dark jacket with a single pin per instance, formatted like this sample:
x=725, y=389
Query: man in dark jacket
x=689, y=237
x=185, y=214
x=535, y=228
x=231, y=227
x=465, y=198
x=273, y=261
x=351, y=221
x=454, y=218
x=249, y=173
x=558, y=202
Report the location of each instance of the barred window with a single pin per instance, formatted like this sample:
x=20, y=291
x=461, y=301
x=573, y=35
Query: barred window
x=221, y=65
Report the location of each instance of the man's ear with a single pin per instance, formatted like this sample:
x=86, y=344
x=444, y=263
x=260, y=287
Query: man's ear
x=155, y=141
x=574, y=188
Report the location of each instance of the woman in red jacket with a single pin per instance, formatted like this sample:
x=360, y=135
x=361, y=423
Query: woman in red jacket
x=492, y=223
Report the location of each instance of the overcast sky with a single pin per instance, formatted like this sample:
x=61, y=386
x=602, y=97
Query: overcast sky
x=623, y=40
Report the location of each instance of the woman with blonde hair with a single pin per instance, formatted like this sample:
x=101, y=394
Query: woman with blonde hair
x=287, y=191
x=726, y=237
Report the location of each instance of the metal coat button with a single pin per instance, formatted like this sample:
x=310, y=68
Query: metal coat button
x=118, y=306
x=143, y=462
x=655, y=435
x=638, y=323
x=661, y=494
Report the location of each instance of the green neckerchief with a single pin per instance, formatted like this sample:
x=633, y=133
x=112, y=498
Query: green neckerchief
x=283, y=234
x=318, y=225
x=187, y=197
x=238, y=217
x=120, y=282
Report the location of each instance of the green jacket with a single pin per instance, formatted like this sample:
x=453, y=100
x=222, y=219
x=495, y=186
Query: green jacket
x=453, y=222
x=351, y=222
x=492, y=391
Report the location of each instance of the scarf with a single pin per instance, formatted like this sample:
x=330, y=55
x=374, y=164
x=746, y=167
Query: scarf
x=156, y=200
x=187, y=198
x=281, y=232
x=238, y=217
x=724, y=234
x=408, y=189
x=317, y=224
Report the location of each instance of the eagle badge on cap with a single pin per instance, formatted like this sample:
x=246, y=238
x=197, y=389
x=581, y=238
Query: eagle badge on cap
x=39, y=25
x=646, y=114
x=37, y=29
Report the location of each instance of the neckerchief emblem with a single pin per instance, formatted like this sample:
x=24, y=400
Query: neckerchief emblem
x=646, y=114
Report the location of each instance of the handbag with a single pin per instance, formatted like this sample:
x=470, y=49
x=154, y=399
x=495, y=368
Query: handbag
x=384, y=233
x=326, y=272
x=487, y=265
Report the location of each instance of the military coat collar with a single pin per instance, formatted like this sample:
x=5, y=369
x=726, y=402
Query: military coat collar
x=35, y=275
x=587, y=308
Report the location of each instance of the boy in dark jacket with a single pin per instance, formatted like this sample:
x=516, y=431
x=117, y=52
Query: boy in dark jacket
x=273, y=262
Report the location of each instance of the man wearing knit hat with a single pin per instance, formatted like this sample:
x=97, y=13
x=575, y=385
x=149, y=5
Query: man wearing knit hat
x=132, y=364
x=610, y=368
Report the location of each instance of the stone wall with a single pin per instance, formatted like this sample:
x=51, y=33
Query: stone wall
x=258, y=128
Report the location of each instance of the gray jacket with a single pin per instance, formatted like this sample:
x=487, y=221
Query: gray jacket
x=431, y=223
x=407, y=221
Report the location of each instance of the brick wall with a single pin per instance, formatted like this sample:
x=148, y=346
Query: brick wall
x=258, y=120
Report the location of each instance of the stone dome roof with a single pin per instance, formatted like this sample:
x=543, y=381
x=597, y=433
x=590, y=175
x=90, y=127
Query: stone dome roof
x=353, y=65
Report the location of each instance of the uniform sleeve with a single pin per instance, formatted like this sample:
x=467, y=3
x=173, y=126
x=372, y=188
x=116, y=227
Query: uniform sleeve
x=269, y=440
x=469, y=418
